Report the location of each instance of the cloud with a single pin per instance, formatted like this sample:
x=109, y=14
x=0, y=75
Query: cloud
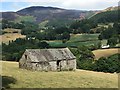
x=89, y=4
x=71, y=4
x=76, y=4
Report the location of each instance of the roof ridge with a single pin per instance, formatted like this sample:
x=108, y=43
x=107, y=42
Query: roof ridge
x=48, y=49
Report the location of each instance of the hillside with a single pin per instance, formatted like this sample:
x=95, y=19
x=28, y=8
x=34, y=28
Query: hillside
x=111, y=8
x=107, y=15
x=41, y=13
x=19, y=78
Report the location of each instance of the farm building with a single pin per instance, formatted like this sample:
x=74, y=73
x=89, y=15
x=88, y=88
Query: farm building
x=48, y=60
x=105, y=46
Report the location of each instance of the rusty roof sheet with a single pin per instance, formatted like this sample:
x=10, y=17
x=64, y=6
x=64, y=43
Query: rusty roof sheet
x=38, y=55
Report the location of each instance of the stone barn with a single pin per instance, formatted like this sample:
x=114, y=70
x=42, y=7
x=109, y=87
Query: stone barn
x=48, y=60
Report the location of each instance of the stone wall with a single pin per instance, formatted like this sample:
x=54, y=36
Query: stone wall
x=68, y=64
x=72, y=64
x=40, y=66
x=53, y=65
x=25, y=62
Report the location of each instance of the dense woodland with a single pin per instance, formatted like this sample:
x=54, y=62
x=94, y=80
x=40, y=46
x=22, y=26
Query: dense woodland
x=36, y=37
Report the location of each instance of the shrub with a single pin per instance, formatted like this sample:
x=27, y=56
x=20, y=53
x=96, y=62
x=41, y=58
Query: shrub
x=110, y=64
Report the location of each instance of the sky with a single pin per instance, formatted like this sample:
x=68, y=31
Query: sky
x=15, y=5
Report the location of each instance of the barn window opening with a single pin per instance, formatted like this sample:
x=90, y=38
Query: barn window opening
x=25, y=56
x=58, y=62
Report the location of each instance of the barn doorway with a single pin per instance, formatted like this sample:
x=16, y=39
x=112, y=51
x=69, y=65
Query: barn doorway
x=59, y=65
x=25, y=56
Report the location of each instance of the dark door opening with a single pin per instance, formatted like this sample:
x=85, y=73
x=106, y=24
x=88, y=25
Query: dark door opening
x=59, y=65
x=25, y=56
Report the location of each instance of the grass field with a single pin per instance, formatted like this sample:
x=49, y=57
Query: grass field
x=11, y=30
x=11, y=36
x=105, y=52
x=77, y=40
x=13, y=77
x=83, y=37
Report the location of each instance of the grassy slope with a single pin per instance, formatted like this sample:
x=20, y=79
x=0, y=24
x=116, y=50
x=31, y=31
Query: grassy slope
x=42, y=24
x=11, y=30
x=105, y=52
x=73, y=79
x=9, y=36
x=25, y=18
x=77, y=40
x=83, y=37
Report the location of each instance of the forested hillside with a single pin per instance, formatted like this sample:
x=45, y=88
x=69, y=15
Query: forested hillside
x=106, y=16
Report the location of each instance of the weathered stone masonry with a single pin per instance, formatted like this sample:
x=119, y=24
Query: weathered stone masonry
x=48, y=60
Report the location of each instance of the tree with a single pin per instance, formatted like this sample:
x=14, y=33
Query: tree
x=5, y=24
x=66, y=36
x=50, y=35
x=60, y=30
x=112, y=41
x=108, y=33
x=101, y=65
x=29, y=28
x=43, y=44
x=85, y=53
x=83, y=26
x=84, y=56
x=116, y=26
x=40, y=35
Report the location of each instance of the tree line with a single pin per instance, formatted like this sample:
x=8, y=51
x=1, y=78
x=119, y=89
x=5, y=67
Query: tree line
x=14, y=50
x=86, y=61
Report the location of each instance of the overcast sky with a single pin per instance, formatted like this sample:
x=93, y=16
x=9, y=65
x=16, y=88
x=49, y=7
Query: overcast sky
x=15, y=5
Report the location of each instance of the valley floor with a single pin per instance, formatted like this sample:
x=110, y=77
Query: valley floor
x=13, y=77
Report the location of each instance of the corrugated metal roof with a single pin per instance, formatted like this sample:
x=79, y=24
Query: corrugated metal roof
x=38, y=55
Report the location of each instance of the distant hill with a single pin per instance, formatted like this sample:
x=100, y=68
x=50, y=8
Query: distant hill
x=9, y=15
x=39, y=14
x=53, y=15
x=107, y=15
